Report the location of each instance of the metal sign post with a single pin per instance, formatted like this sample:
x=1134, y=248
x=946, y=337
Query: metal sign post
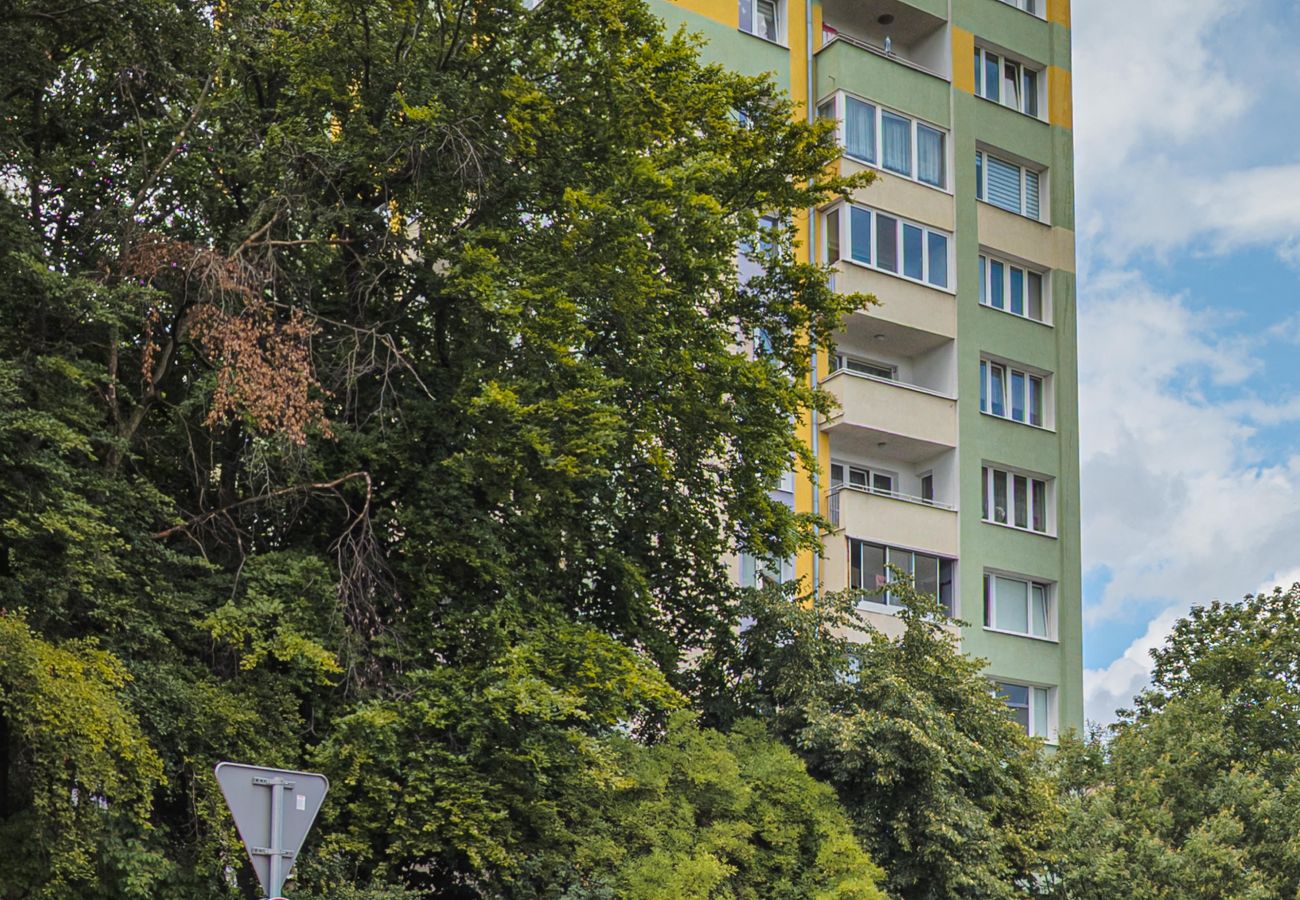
x=272, y=831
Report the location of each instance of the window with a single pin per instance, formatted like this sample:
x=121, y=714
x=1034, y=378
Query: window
x=1033, y=7
x=1012, y=187
x=862, y=478
x=1007, y=81
x=1030, y=706
x=1012, y=288
x=927, y=487
x=763, y=18
x=1013, y=499
x=756, y=572
x=1012, y=394
x=931, y=574
x=888, y=243
x=890, y=140
x=1019, y=606
x=865, y=367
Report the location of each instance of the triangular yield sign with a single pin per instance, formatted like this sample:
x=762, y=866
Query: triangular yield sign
x=273, y=810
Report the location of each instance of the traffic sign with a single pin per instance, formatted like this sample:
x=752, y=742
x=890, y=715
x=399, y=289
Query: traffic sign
x=273, y=810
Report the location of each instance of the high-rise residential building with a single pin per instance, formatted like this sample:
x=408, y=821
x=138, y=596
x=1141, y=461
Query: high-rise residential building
x=954, y=454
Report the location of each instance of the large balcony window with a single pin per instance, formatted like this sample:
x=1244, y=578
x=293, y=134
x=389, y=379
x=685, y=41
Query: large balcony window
x=888, y=243
x=897, y=143
x=931, y=574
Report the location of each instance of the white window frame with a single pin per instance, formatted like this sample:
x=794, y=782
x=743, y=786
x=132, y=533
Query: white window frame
x=991, y=622
x=884, y=599
x=779, y=7
x=1036, y=8
x=844, y=362
x=842, y=248
x=981, y=185
x=758, y=572
x=987, y=261
x=868, y=475
x=836, y=105
x=983, y=55
x=1038, y=695
x=1009, y=370
x=988, y=512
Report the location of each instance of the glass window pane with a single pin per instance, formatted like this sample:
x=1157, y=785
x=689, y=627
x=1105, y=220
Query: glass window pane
x=1032, y=208
x=984, y=493
x=1011, y=84
x=870, y=572
x=991, y=79
x=938, y=259
x=765, y=19
x=886, y=243
x=927, y=487
x=945, y=586
x=1011, y=605
x=882, y=483
x=1003, y=187
x=930, y=158
x=984, y=279
x=1035, y=401
x=997, y=285
x=747, y=16
x=860, y=234
x=1017, y=291
x=999, y=496
x=860, y=129
x=1040, y=505
x=1030, y=99
x=1018, y=396
x=837, y=474
x=984, y=386
x=826, y=109
x=1014, y=694
x=979, y=68
x=913, y=252
x=997, y=390
x=1036, y=296
x=896, y=143
x=1039, y=611
x=979, y=176
x=1021, y=490
x=858, y=477
x=927, y=575
x=901, y=560
x=988, y=601
x=1040, y=712
x=833, y=236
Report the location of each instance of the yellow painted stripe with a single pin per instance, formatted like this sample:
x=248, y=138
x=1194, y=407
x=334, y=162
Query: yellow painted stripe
x=725, y=11
x=963, y=60
x=1060, y=107
x=1058, y=11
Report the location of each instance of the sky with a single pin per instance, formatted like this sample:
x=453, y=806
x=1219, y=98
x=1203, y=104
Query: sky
x=1187, y=143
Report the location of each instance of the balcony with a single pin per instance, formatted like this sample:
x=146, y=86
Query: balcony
x=894, y=520
x=880, y=418
x=911, y=33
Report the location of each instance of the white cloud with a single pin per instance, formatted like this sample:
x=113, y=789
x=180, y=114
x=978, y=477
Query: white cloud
x=1168, y=129
x=1179, y=505
x=1114, y=687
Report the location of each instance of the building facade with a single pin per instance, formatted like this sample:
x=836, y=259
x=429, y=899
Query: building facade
x=954, y=453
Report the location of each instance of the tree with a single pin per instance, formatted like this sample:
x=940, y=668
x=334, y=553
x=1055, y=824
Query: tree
x=946, y=792
x=76, y=773
x=348, y=348
x=1194, y=794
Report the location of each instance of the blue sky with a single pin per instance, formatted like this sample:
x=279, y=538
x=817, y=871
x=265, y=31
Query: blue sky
x=1187, y=130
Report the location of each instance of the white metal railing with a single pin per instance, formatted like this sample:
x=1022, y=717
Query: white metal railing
x=829, y=38
x=833, y=499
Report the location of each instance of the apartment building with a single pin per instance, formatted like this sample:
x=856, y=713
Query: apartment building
x=954, y=453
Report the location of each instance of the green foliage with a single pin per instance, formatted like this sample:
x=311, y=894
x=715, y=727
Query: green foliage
x=944, y=790
x=75, y=799
x=1195, y=794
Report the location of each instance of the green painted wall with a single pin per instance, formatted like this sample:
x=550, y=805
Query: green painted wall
x=731, y=47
